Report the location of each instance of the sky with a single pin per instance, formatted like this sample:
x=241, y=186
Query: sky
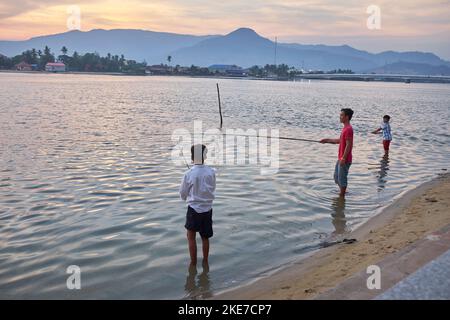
x=401, y=25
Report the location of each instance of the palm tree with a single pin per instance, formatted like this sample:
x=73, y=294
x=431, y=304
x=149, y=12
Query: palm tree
x=34, y=55
x=169, y=58
x=46, y=51
x=47, y=57
x=64, y=50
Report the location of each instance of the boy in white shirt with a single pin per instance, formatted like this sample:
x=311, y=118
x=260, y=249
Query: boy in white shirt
x=197, y=188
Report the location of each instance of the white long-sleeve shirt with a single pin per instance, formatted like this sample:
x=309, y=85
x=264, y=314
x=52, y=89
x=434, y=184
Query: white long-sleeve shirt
x=198, y=187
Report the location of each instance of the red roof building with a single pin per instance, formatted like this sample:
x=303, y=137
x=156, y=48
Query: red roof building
x=23, y=66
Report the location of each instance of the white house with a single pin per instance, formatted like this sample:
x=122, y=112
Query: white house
x=55, y=67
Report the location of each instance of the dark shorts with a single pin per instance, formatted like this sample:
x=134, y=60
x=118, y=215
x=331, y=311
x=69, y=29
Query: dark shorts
x=199, y=222
x=341, y=173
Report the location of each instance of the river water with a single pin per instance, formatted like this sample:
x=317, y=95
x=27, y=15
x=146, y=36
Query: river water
x=87, y=177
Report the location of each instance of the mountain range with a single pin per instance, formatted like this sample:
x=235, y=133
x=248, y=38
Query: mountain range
x=243, y=47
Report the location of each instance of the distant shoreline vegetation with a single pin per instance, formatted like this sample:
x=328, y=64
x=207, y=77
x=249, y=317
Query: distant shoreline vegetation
x=36, y=60
x=92, y=63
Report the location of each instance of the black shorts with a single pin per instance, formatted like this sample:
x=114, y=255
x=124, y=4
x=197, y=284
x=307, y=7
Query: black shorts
x=200, y=222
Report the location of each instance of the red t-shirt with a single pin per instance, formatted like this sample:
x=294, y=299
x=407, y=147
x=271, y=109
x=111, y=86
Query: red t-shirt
x=347, y=133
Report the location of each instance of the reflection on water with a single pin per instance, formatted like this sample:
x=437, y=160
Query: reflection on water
x=338, y=216
x=86, y=177
x=380, y=170
x=198, y=287
x=384, y=168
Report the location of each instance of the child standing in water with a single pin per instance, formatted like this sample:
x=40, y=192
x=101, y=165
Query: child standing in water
x=386, y=130
x=197, y=188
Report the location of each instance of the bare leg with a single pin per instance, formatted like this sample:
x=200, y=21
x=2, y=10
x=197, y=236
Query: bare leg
x=342, y=194
x=205, y=266
x=192, y=247
x=205, y=247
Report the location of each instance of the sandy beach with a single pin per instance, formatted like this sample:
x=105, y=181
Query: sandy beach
x=416, y=214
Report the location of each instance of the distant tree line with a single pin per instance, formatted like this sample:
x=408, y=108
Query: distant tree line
x=199, y=71
x=88, y=62
x=345, y=71
x=93, y=62
x=285, y=71
x=32, y=56
x=280, y=70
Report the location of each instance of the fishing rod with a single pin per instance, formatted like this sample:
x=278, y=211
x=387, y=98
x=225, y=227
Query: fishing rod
x=220, y=107
x=242, y=135
x=186, y=162
x=258, y=136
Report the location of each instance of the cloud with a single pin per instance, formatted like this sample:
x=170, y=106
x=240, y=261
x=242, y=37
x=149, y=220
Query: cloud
x=289, y=19
x=14, y=8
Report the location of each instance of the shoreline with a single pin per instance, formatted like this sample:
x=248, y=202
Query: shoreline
x=407, y=220
x=389, y=78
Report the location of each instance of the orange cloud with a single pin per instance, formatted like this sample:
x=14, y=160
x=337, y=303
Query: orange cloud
x=24, y=19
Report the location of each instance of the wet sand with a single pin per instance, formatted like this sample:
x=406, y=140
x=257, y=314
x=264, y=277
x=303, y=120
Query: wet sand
x=415, y=215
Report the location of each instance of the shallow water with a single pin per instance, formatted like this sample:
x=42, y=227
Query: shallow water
x=85, y=181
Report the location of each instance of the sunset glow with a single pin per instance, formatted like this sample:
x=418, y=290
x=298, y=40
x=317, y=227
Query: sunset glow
x=407, y=23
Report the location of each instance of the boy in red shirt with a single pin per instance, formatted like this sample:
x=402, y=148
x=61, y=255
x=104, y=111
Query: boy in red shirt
x=345, y=150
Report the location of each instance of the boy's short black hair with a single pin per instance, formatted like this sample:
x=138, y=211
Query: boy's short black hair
x=348, y=112
x=386, y=117
x=197, y=150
